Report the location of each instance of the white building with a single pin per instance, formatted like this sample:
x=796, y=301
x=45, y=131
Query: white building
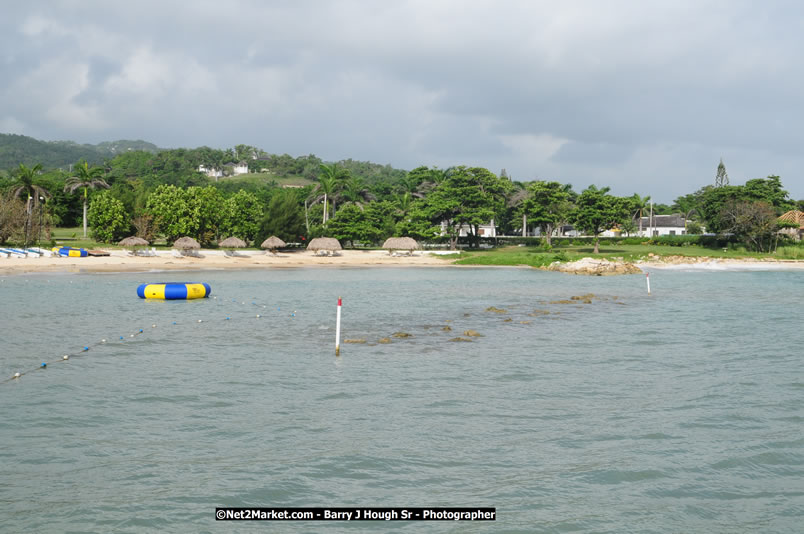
x=484, y=230
x=211, y=172
x=655, y=226
x=240, y=168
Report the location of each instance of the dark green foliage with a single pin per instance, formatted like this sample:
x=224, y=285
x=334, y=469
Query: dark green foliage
x=598, y=211
x=284, y=218
x=366, y=225
x=770, y=191
x=547, y=205
x=721, y=177
x=242, y=216
x=108, y=218
x=467, y=197
x=195, y=212
x=415, y=223
x=372, y=173
x=713, y=202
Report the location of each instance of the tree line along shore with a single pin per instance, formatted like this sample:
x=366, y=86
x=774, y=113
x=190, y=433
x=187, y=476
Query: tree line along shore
x=164, y=195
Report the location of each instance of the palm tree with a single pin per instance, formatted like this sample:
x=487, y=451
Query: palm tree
x=25, y=183
x=356, y=192
x=640, y=204
x=88, y=178
x=403, y=203
x=435, y=177
x=329, y=183
x=322, y=193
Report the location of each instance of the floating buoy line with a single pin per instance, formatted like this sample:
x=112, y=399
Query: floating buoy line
x=65, y=357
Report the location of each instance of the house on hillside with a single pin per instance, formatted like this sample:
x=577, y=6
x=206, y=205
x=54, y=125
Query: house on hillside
x=210, y=171
x=234, y=169
x=793, y=216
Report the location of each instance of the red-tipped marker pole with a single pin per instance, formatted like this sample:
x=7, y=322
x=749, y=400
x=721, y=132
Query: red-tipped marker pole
x=338, y=330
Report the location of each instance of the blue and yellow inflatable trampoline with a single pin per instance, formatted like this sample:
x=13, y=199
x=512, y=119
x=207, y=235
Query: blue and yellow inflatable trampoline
x=70, y=251
x=174, y=291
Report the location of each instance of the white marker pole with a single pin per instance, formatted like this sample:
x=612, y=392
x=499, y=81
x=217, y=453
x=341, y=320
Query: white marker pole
x=338, y=330
x=647, y=277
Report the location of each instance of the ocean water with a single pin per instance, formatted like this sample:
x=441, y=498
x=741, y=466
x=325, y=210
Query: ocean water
x=680, y=411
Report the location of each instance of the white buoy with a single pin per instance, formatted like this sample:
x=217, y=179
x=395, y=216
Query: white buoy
x=200, y=321
x=647, y=278
x=16, y=375
x=66, y=357
x=258, y=316
x=338, y=329
x=103, y=341
x=153, y=326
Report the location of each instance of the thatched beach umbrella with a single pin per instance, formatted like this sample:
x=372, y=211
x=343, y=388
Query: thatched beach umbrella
x=133, y=241
x=329, y=244
x=272, y=243
x=232, y=242
x=400, y=243
x=186, y=245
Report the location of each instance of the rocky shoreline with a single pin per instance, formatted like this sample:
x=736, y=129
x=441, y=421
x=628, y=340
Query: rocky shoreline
x=603, y=267
x=594, y=267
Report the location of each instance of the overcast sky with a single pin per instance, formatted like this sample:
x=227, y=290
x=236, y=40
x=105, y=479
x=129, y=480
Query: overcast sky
x=643, y=96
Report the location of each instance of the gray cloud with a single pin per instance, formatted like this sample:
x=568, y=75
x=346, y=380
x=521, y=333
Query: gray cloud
x=643, y=96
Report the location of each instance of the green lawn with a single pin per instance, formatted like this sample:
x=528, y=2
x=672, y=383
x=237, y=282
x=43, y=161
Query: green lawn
x=259, y=178
x=537, y=256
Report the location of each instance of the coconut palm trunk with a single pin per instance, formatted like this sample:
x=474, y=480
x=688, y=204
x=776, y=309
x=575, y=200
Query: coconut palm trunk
x=85, y=178
x=85, y=212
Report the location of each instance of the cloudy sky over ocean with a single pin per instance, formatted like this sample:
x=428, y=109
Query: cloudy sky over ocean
x=643, y=96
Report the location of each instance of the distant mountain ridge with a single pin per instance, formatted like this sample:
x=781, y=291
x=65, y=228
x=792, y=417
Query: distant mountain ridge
x=16, y=149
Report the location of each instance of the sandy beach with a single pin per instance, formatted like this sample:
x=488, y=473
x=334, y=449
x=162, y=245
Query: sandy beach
x=121, y=261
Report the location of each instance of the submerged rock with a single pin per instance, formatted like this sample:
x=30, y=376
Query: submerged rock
x=447, y=328
x=496, y=310
x=401, y=334
x=507, y=320
x=472, y=333
x=537, y=313
x=461, y=339
x=384, y=340
x=354, y=340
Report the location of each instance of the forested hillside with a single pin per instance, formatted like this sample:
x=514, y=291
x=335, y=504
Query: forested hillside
x=16, y=149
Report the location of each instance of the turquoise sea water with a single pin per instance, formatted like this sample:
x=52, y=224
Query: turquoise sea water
x=676, y=412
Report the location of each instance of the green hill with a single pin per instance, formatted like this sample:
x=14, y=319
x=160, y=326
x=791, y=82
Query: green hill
x=16, y=149
x=179, y=166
